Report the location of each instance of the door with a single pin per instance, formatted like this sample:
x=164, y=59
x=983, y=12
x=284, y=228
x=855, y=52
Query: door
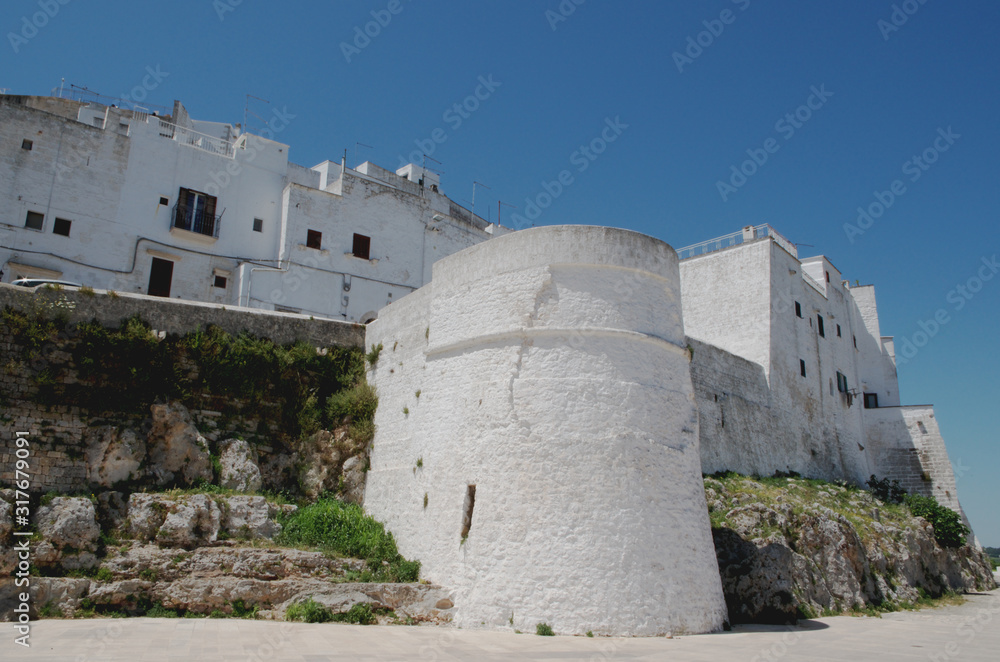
x=160, y=275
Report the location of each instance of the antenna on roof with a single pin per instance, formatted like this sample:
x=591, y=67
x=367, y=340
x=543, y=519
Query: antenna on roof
x=247, y=111
x=474, y=184
x=356, y=145
x=504, y=204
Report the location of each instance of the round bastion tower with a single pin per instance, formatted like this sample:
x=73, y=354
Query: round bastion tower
x=537, y=436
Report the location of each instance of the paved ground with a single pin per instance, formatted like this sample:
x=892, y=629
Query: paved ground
x=967, y=632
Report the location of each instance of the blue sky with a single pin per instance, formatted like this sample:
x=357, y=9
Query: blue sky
x=556, y=78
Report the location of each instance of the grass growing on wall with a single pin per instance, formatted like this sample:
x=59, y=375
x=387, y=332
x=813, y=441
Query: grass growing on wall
x=129, y=368
x=343, y=529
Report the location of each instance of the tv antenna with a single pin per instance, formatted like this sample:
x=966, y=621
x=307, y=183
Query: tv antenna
x=247, y=111
x=474, y=185
x=356, y=145
x=501, y=203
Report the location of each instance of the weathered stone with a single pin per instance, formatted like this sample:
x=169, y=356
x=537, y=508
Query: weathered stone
x=60, y=593
x=250, y=517
x=239, y=467
x=6, y=522
x=146, y=513
x=113, y=455
x=190, y=522
x=177, y=452
x=112, y=509
x=320, y=460
x=69, y=522
x=353, y=479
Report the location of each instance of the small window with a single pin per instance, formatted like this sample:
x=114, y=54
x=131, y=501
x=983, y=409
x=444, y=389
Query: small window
x=164, y=201
x=838, y=332
x=220, y=282
x=61, y=226
x=258, y=225
x=798, y=309
x=841, y=382
x=314, y=239
x=871, y=400
x=362, y=246
x=819, y=321
x=828, y=276
x=34, y=220
x=855, y=341
x=27, y=144
x=470, y=504
x=802, y=367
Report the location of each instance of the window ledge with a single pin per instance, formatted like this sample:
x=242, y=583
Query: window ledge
x=196, y=237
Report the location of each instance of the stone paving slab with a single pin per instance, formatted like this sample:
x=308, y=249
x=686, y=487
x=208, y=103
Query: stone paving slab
x=969, y=632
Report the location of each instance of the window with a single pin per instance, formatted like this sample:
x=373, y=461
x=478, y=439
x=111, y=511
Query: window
x=855, y=341
x=314, y=239
x=164, y=201
x=27, y=144
x=828, y=276
x=819, y=321
x=220, y=282
x=61, y=226
x=258, y=225
x=362, y=246
x=798, y=309
x=841, y=382
x=34, y=220
x=871, y=400
x=195, y=212
x=838, y=332
x=470, y=504
x=802, y=367
x=160, y=276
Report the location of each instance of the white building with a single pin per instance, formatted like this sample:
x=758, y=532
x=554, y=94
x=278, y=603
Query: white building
x=549, y=401
x=166, y=205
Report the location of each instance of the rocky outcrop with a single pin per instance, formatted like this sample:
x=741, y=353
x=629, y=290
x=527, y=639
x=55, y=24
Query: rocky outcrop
x=249, y=517
x=114, y=455
x=69, y=530
x=195, y=520
x=239, y=466
x=214, y=578
x=177, y=452
x=190, y=522
x=321, y=460
x=802, y=549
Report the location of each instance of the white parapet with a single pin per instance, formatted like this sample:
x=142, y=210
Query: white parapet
x=537, y=438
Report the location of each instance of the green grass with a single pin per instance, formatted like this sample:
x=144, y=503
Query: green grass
x=544, y=630
x=343, y=529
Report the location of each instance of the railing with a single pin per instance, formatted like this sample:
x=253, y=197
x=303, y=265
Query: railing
x=192, y=220
x=201, y=141
x=77, y=93
x=735, y=239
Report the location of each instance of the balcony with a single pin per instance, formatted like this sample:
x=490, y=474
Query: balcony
x=195, y=222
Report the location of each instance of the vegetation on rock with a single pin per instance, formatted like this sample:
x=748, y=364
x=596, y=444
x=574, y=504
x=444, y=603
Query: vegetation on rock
x=344, y=529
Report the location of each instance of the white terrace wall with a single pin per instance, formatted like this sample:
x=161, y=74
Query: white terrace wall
x=548, y=368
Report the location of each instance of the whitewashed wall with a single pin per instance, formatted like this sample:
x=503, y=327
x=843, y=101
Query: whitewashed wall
x=553, y=376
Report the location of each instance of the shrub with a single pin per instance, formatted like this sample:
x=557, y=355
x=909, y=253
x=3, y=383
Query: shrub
x=104, y=574
x=159, y=611
x=360, y=614
x=308, y=611
x=344, y=529
x=887, y=491
x=543, y=630
x=372, y=356
x=359, y=402
x=949, y=531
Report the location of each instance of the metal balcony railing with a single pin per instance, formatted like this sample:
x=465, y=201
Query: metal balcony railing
x=192, y=220
x=736, y=238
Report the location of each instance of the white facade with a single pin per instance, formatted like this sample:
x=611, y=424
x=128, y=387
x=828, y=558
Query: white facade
x=281, y=236
x=536, y=438
x=756, y=310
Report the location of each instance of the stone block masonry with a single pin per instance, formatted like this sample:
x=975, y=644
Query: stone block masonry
x=537, y=441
